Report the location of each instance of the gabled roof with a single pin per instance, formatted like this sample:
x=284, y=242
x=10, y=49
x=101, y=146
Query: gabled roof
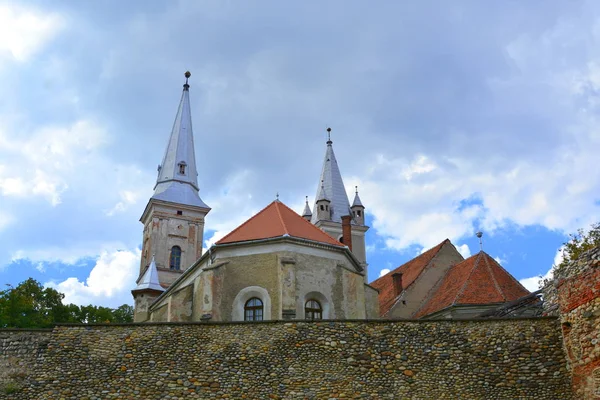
x=410, y=271
x=171, y=184
x=331, y=187
x=277, y=220
x=149, y=280
x=477, y=280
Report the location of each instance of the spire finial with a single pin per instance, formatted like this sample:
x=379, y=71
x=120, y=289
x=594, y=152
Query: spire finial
x=356, y=187
x=277, y=196
x=187, y=74
x=329, y=136
x=306, y=199
x=479, y=235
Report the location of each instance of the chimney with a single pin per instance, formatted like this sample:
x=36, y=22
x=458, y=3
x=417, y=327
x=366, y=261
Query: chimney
x=347, y=231
x=397, y=278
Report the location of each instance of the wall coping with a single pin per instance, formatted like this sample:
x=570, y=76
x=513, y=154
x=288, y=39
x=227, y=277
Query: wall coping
x=329, y=321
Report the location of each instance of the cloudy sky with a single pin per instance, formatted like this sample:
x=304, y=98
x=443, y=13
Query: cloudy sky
x=451, y=117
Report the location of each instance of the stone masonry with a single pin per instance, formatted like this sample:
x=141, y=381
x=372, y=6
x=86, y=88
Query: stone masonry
x=492, y=359
x=578, y=288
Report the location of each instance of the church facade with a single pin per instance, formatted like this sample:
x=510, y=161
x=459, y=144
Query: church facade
x=283, y=265
x=277, y=265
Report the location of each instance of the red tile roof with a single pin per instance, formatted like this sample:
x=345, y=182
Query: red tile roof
x=477, y=280
x=410, y=271
x=276, y=220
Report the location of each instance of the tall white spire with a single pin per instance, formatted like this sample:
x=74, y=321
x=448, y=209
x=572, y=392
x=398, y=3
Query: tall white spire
x=332, y=186
x=177, y=180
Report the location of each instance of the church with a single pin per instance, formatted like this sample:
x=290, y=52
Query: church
x=280, y=265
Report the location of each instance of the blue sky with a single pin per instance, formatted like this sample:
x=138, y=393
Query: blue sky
x=451, y=117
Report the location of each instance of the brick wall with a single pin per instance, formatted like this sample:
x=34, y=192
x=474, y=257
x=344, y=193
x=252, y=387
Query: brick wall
x=578, y=286
x=492, y=359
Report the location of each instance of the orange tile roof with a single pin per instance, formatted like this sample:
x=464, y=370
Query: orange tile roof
x=410, y=271
x=477, y=280
x=276, y=220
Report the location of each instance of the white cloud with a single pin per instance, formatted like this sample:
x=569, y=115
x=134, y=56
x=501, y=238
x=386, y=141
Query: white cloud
x=42, y=162
x=5, y=220
x=464, y=250
x=25, y=30
x=109, y=283
x=533, y=283
x=69, y=255
x=383, y=272
x=232, y=206
x=128, y=198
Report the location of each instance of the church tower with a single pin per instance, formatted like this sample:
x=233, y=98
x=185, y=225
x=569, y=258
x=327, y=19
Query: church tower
x=174, y=217
x=331, y=204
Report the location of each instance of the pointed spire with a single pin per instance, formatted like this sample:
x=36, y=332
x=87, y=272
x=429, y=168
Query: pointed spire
x=177, y=180
x=150, y=278
x=332, y=186
x=307, y=212
x=322, y=195
x=357, y=202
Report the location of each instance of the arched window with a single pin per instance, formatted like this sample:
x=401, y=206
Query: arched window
x=182, y=168
x=313, y=310
x=175, y=260
x=253, y=310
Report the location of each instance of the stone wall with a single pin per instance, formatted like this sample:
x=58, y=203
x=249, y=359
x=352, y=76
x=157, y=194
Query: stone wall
x=19, y=351
x=578, y=287
x=492, y=359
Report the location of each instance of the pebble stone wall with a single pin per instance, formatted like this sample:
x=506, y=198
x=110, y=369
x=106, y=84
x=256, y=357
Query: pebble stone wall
x=19, y=350
x=493, y=359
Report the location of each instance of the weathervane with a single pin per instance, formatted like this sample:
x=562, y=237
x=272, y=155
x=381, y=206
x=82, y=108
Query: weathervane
x=479, y=235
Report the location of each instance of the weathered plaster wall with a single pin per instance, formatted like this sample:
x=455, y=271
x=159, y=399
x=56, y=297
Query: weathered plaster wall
x=288, y=277
x=502, y=359
x=578, y=291
x=163, y=229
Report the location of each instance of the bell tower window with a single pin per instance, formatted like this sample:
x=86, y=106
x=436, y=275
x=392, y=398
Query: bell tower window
x=182, y=166
x=175, y=259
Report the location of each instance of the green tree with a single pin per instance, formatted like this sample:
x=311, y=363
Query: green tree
x=579, y=243
x=30, y=305
x=123, y=314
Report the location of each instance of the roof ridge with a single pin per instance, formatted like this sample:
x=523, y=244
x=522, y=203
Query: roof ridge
x=509, y=274
x=245, y=223
x=311, y=224
x=285, y=228
x=498, y=288
x=464, y=286
x=440, y=245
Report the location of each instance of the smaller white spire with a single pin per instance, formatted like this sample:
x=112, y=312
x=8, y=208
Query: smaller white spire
x=150, y=278
x=357, y=202
x=307, y=212
x=322, y=195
